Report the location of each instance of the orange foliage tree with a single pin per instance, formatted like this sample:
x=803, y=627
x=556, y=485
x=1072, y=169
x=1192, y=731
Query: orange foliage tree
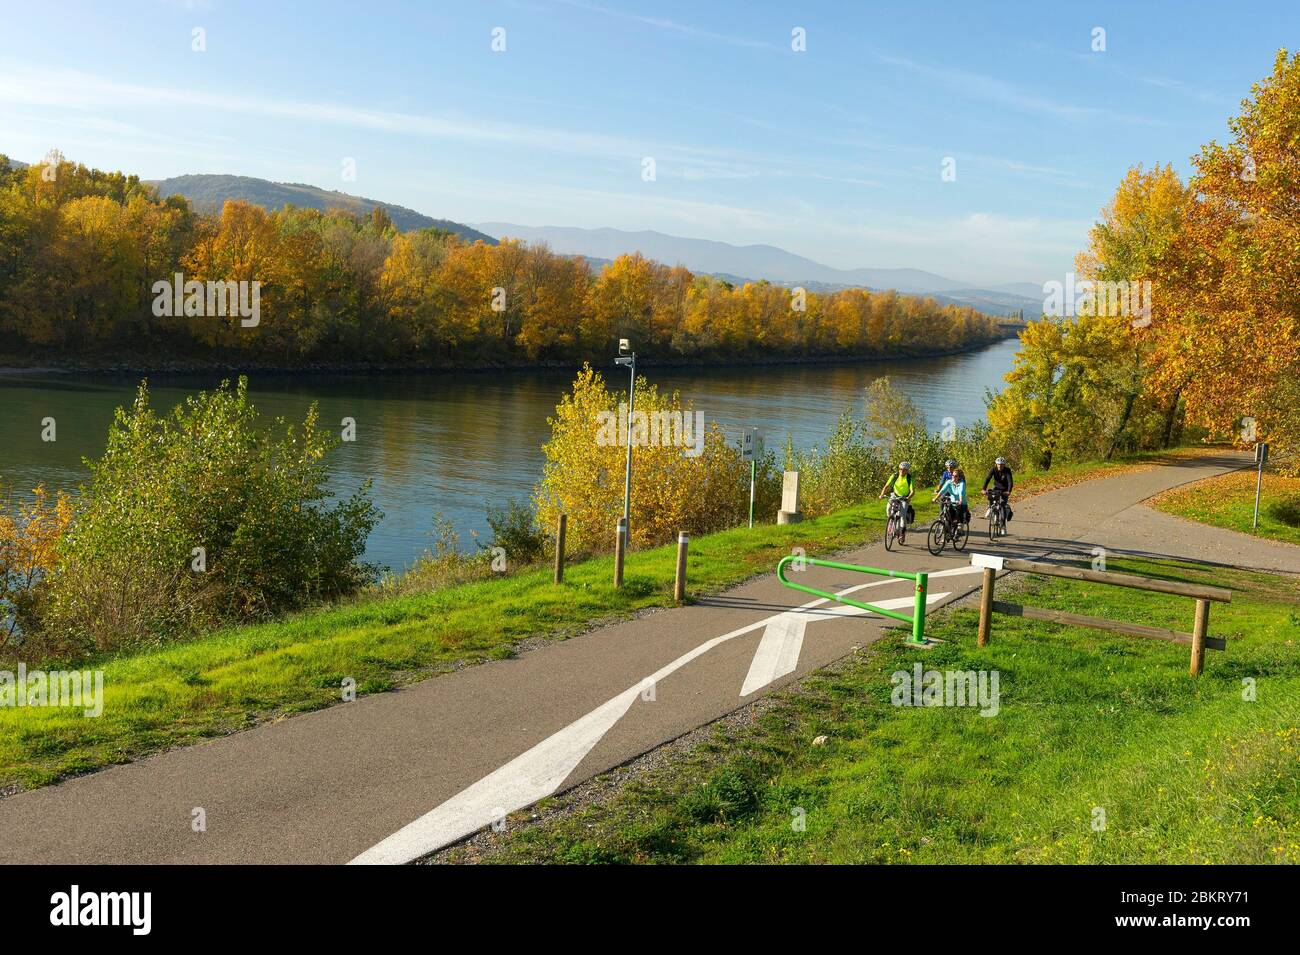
x=1227, y=324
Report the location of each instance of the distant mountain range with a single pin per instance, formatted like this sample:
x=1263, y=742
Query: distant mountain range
x=748, y=263
x=734, y=263
x=209, y=192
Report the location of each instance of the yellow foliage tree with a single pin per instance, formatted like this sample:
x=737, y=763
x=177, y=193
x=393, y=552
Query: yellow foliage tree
x=29, y=539
x=673, y=487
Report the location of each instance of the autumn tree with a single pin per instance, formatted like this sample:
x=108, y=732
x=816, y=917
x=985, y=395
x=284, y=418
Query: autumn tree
x=1227, y=325
x=81, y=251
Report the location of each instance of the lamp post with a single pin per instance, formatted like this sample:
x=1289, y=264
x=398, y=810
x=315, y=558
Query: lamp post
x=628, y=357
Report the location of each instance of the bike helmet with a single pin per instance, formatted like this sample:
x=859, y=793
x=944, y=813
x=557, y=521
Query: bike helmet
x=1000, y=460
x=950, y=463
x=904, y=466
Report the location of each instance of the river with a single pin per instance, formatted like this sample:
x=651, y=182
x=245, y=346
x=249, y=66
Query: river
x=454, y=442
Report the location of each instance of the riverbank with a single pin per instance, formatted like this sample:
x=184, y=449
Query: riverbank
x=124, y=365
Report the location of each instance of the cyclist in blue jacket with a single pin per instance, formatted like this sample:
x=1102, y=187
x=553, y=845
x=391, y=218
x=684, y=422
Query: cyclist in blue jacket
x=955, y=487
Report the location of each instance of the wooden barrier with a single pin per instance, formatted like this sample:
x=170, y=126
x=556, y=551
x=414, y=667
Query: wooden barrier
x=679, y=582
x=1199, y=639
x=560, y=525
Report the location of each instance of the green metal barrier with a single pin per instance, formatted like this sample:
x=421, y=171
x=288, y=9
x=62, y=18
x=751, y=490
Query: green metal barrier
x=917, y=618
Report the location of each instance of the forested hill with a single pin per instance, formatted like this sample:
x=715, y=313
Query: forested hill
x=209, y=192
x=95, y=266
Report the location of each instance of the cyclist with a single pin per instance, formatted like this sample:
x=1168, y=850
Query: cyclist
x=948, y=467
x=1003, y=481
x=955, y=487
x=904, y=487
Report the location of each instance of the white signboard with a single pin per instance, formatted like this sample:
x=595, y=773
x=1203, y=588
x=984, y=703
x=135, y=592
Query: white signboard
x=751, y=444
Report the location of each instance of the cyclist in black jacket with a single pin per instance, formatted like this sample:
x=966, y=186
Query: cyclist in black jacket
x=1003, y=481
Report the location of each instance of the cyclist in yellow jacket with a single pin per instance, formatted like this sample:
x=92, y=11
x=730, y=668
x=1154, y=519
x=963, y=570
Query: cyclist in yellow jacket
x=902, y=485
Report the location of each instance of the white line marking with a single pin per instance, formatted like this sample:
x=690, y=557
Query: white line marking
x=541, y=770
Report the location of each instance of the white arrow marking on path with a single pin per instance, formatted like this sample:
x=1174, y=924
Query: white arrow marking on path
x=778, y=651
x=541, y=770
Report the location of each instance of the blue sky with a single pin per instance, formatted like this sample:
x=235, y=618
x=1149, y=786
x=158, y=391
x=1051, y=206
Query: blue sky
x=834, y=153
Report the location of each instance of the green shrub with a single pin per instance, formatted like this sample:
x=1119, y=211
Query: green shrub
x=441, y=565
x=515, y=530
x=731, y=793
x=860, y=454
x=200, y=517
x=1287, y=511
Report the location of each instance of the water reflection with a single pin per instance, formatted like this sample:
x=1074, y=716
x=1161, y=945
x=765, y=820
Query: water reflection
x=453, y=442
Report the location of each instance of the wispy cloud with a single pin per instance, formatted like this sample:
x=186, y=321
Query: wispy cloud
x=673, y=26
x=1111, y=65
x=87, y=98
x=994, y=90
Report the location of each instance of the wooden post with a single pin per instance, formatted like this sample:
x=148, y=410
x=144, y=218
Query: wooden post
x=560, y=526
x=1199, y=630
x=620, y=545
x=679, y=584
x=986, y=606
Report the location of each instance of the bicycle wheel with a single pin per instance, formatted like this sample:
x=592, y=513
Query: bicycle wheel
x=993, y=527
x=891, y=533
x=936, y=538
x=960, y=535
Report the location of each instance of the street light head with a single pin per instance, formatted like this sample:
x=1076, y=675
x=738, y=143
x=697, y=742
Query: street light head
x=624, y=346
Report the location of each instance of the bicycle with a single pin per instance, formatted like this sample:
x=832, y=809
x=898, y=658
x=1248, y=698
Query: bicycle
x=997, y=514
x=947, y=528
x=896, y=522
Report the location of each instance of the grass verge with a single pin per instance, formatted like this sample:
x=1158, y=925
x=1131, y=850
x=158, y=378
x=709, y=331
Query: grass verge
x=235, y=678
x=1229, y=501
x=1103, y=750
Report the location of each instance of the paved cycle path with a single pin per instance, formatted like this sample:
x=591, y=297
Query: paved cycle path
x=394, y=776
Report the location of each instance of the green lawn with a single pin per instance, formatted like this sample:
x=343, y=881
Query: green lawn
x=1229, y=501
x=1185, y=771
x=235, y=678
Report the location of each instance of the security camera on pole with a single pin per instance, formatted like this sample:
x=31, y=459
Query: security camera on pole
x=625, y=357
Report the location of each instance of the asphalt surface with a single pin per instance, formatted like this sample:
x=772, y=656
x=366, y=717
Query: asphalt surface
x=396, y=775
